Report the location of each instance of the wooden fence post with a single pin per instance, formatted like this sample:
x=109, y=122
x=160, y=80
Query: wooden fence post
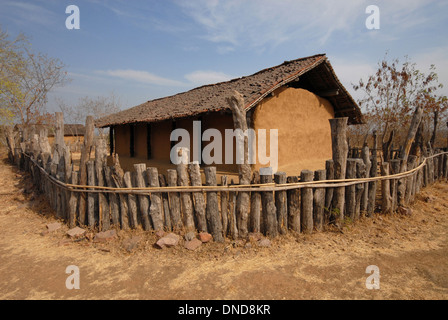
x=224, y=207
x=174, y=199
x=255, y=205
x=329, y=167
x=368, y=164
x=294, y=206
x=132, y=201
x=212, y=205
x=117, y=175
x=113, y=197
x=198, y=197
x=340, y=149
x=155, y=209
x=85, y=156
x=165, y=203
x=373, y=173
x=268, y=204
x=186, y=201
x=91, y=196
x=307, y=202
x=280, y=203
x=143, y=200
x=386, y=206
x=350, y=191
x=73, y=201
x=319, y=201
x=395, y=169
x=100, y=163
x=359, y=188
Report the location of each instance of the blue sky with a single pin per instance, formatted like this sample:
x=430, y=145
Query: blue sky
x=142, y=50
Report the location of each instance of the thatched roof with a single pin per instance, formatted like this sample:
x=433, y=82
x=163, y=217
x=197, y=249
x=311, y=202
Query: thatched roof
x=313, y=73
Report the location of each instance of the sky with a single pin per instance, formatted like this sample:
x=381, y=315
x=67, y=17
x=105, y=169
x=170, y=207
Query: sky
x=143, y=50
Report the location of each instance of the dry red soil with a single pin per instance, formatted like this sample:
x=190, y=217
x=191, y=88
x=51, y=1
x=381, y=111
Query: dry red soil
x=410, y=251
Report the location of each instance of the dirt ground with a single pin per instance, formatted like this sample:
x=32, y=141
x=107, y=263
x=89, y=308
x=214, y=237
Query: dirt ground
x=411, y=253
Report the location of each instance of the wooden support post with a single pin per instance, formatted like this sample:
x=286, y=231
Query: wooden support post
x=306, y=209
x=319, y=201
x=233, y=228
x=409, y=185
x=212, y=206
x=340, y=149
x=198, y=197
x=401, y=185
x=155, y=209
x=280, y=204
x=373, y=173
x=143, y=200
x=174, y=199
x=268, y=205
x=294, y=206
x=132, y=201
x=386, y=206
x=255, y=205
x=350, y=191
x=415, y=123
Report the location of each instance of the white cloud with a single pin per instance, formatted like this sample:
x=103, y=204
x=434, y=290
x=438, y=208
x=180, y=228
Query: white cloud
x=207, y=77
x=141, y=76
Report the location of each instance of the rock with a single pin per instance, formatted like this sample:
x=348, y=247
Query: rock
x=105, y=236
x=130, y=244
x=190, y=236
x=248, y=245
x=160, y=233
x=205, y=237
x=266, y=243
x=170, y=240
x=53, y=226
x=254, y=236
x=193, y=244
x=405, y=211
x=76, y=232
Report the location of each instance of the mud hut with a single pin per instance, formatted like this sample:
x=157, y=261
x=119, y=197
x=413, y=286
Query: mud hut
x=297, y=98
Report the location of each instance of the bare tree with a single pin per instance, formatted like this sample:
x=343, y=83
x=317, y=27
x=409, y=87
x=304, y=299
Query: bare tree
x=29, y=77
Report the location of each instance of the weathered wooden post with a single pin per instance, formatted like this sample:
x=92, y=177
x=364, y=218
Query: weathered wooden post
x=132, y=201
x=73, y=201
x=113, y=197
x=268, y=204
x=198, y=197
x=350, y=191
x=212, y=205
x=365, y=155
x=395, y=169
x=306, y=209
x=100, y=163
x=237, y=105
x=143, y=200
x=373, y=173
x=340, y=149
x=85, y=156
x=182, y=180
x=359, y=188
x=174, y=199
x=91, y=196
x=155, y=209
x=117, y=175
x=280, y=203
x=165, y=203
x=319, y=201
x=386, y=206
x=294, y=206
x=409, y=186
x=255, y=205
x=224, y=206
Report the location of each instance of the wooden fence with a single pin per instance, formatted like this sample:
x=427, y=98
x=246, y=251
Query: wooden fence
x=99, y=196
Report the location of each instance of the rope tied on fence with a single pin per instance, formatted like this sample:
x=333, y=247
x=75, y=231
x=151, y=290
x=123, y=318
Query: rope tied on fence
x=268, y=187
